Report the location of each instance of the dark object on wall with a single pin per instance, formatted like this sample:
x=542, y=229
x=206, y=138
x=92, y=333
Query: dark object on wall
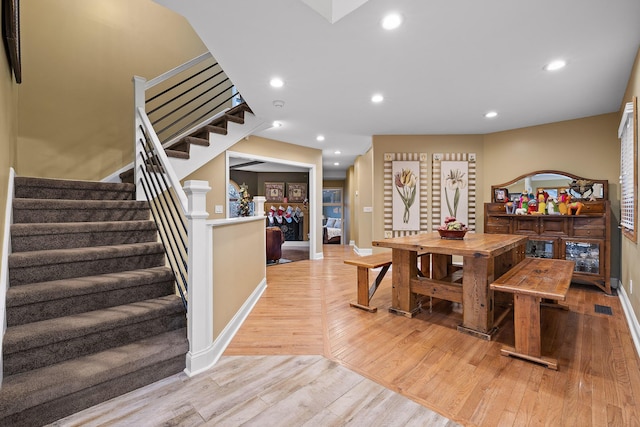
x=11, y=31
x=274, y=191
x=297, y=192
x=274, y=239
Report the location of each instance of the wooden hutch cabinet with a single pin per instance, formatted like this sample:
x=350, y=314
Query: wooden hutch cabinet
x=584, y=239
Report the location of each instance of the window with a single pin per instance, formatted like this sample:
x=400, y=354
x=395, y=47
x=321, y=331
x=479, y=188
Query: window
x=331, y=203
x=628, y=134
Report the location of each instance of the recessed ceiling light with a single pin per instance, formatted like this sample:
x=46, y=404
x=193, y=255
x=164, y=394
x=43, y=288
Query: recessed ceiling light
x=276, y=82
x=555, y=65
x=278, y=103
x=377, y=98
x=391, y=21
x=337, y=152
x=336, y=164
x=491, y=114
x=276, y=124
x=320, y=138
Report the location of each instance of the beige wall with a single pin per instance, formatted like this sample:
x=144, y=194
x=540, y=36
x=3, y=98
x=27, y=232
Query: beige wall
x=429, y=144
x=8, y=132
x=215, y=173
x=76, y=99
x=587, y=147
x=349, y=203
x=630, y=253
x=363, y=192
x=233, y=286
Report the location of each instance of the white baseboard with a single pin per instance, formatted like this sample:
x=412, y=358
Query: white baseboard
x=319, y=255
x=632, y=320
x=363, y=251
x=296, y=244
x=352, y=242
x=198, y=363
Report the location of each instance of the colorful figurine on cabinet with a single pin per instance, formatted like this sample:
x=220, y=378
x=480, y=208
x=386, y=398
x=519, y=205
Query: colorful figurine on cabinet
x=574, y=208
x=542, y=201
x=510, y=207
x=563, y=200
x=552, y=206
x=524, y=204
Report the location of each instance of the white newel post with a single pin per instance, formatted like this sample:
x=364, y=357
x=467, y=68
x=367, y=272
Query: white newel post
x=139, y=84
x=258, y=209
x=200, y=292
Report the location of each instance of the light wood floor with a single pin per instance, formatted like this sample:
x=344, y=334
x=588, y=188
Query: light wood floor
x=305, y=310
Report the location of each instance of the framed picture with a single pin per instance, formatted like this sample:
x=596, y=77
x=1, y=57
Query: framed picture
x=274, y=191
x=501, y=195
x=296, y=192
x=11, y=26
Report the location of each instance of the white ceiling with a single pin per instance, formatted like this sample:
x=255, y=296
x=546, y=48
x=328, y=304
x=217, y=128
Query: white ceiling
x=449, y=63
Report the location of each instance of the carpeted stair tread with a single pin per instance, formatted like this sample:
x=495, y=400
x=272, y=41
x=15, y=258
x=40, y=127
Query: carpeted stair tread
x=67, y=288
x=65, y=235
x=38, y=334
x=63, y=256
x=40, y=266
x=220, y=130
x=237, y=117
x=59, y=210
x=177, y=154
x=46, y=300
x=196, y=141
x=31, y=389
x=48, y=188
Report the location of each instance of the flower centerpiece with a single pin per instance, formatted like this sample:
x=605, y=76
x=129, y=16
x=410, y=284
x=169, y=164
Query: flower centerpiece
x=452, y=229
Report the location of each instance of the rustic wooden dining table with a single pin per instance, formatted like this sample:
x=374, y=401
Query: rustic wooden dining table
x=485, y=257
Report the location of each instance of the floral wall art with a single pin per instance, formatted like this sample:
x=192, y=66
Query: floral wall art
x=405, y=194
x=406, y=208
x=454, y=188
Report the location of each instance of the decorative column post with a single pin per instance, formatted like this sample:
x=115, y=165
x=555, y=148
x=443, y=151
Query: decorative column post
x=139, y=84
x=200, y=292
x=258, y=208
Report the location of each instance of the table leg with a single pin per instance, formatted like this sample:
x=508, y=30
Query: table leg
x=403, y=301
x=477, y=298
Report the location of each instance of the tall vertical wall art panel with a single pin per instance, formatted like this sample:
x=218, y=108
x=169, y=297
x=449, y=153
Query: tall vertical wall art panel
x=406, y=206
x=396, y=197
x=454, y=188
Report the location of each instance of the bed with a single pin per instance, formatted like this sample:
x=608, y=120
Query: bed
x=332, y=231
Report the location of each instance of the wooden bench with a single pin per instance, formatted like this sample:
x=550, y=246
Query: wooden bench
x=364, y=263
x=531, y=281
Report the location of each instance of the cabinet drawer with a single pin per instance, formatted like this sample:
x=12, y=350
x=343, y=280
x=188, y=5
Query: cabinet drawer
x=594, y=222
x=594, y=207
x=589, y=232
x=525, y=224
x=555, y=225
x=497, y=229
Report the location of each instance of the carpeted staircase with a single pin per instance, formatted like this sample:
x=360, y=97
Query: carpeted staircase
x=91, y=308
x=181, y=149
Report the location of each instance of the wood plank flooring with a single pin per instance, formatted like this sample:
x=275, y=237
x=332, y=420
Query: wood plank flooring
x=305, y=313
x=305, y=310
x=262, y=391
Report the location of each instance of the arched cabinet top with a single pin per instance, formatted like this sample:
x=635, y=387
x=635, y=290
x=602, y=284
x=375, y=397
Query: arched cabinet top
x=552, y=181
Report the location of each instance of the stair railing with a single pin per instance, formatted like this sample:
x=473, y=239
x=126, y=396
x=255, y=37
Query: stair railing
x=167, y=202
x=168, y=108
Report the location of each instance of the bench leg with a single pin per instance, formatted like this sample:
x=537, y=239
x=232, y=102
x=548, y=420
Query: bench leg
x=526, y=324
x=364, y=292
